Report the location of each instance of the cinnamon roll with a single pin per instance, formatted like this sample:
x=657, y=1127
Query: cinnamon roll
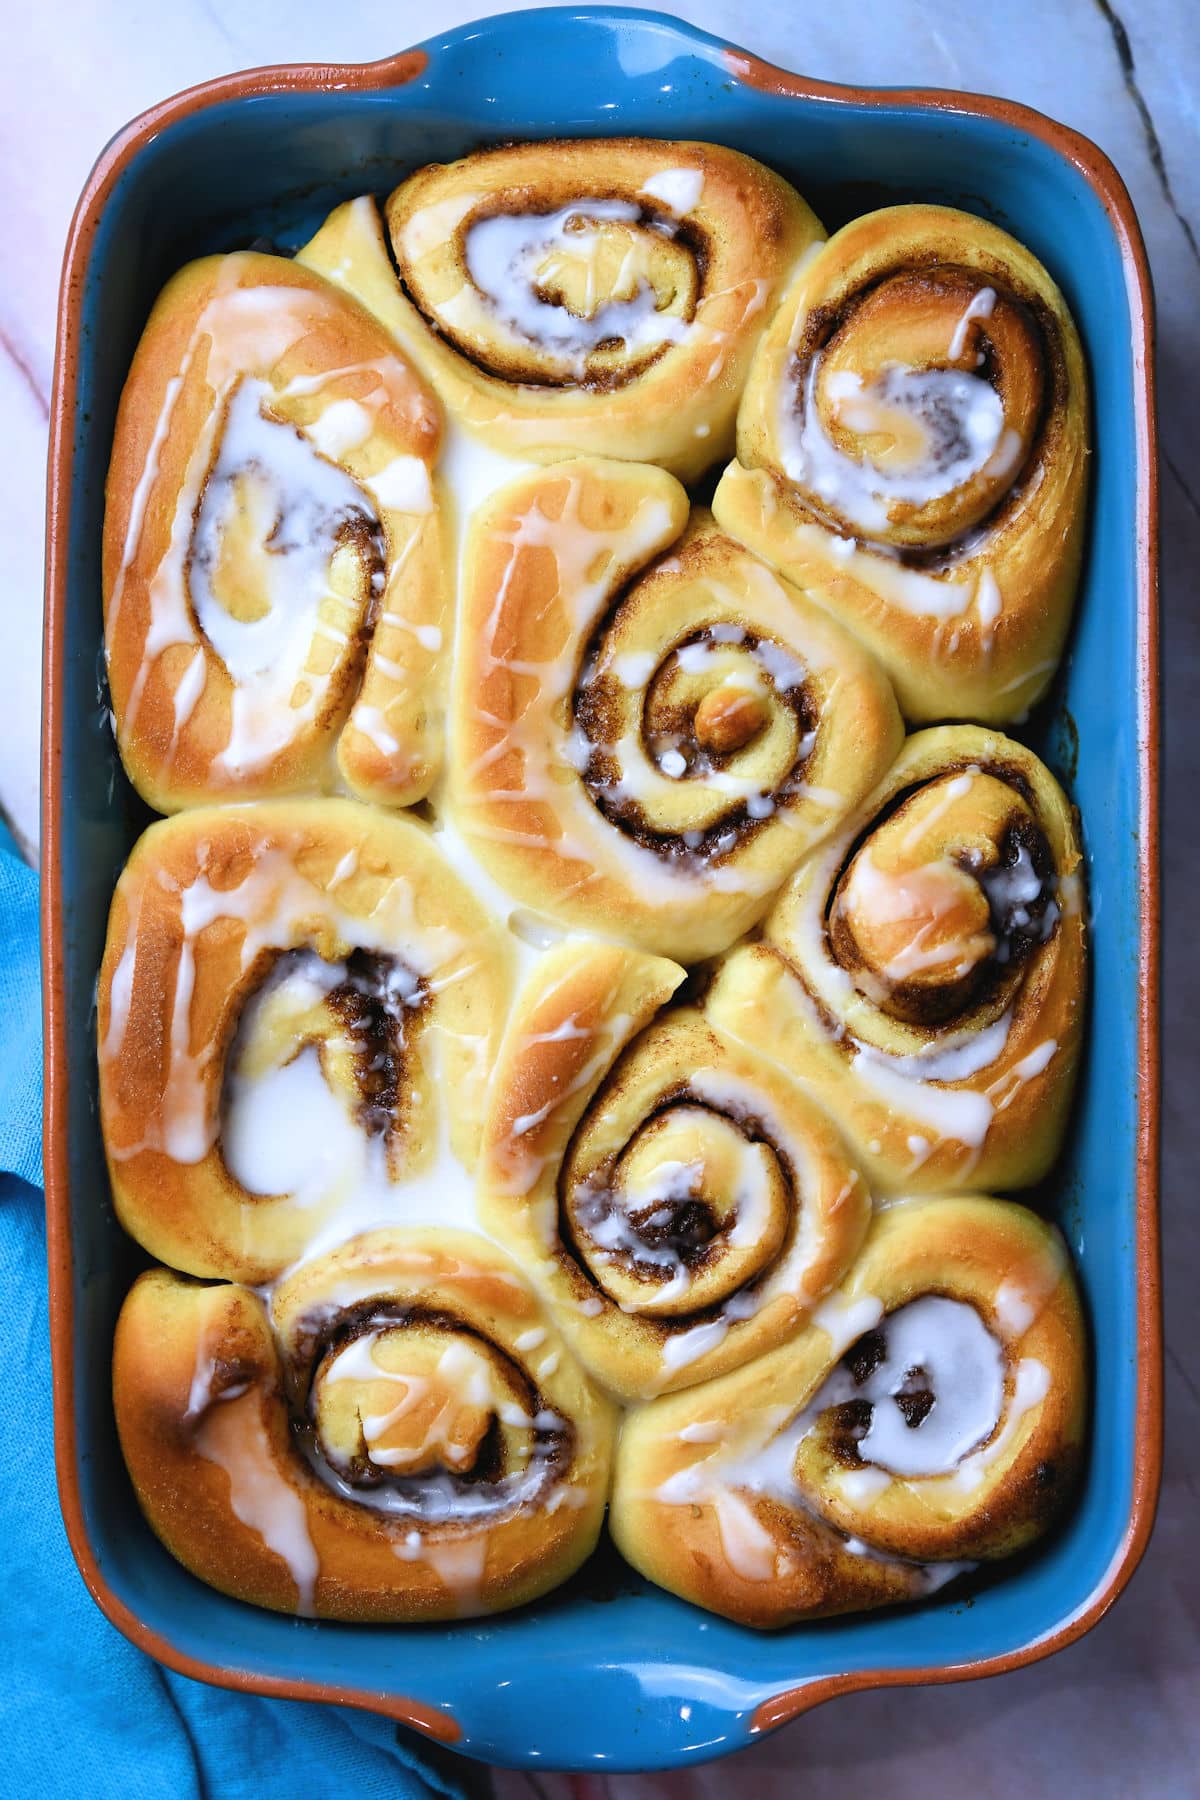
x=672, y=1194
x=275, y=603
x=298, y=1010
x=912, y=450
x=595, y=297
x=930, y=1417
x=649, y=728
x=924, y=973
x=401, y=1435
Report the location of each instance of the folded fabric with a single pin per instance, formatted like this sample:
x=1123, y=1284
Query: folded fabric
x=81, y=1710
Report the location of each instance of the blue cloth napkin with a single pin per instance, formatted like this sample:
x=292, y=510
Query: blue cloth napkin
x=82, y=1711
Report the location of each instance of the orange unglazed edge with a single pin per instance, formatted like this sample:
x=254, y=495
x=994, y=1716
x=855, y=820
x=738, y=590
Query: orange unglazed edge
x=396, y=71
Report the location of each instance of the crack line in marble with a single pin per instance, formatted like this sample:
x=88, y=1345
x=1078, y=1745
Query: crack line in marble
x=26, y=372
x=1154, y=149
x=1188, y=495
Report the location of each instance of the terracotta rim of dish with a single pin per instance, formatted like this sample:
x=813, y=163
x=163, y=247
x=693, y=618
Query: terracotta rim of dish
x=752, y=71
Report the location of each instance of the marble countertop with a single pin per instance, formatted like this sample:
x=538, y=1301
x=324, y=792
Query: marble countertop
x=1116, y=1714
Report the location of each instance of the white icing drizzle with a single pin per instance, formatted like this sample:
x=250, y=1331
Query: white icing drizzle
x=187, y=695
x=449, y=1515
x=470, y=471
x=305, y=502
x=634, y=668
x=529, y=932
x=918, y=1084
x=961, y=416
x=607, y=1041
x=988, y=604
x=724, y=1093
x=585, y=836
x=678, y=189
x=271, y=896
x=233, y=1436
x=933, y=1346
x=1031, y=1385
x=683, y=1347
x=980, y=306
x=604, y=1215
x=1012, y=889
x=1015, y=1311
x=507, y=252
x=464, y=1374
x=964, y=1366
x=403, y=485
x=861, y=1486
x=245, y=460
x=913, y=1084
x=946, y=597
x=754, y=1455
x=606, y=1222
x=287, y=1132
x=899, y=897
x=957, y=788
x=443, y=1496
x=845, y=1321
x=371, y=721
x=344, y=425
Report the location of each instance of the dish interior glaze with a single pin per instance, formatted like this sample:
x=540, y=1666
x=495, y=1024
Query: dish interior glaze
x=637, y=1678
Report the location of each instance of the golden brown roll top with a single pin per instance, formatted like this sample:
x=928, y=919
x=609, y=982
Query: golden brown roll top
x=912, y=450
x=401, y=1436
x=274, y=591
x=581, y=297
x=670, y=1192
x=930, y=1416
x=924, y=973
x=649, y=727
x=299, y=1007
x=668, y=731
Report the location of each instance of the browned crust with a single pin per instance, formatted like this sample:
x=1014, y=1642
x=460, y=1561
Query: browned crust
x=767, y=993
x=965, y=1248
x=744, y=234
x=176, y=764
x=584, y=1044
x=545, y=829
x=194, y=1214
x=1031, y=542
x=170, y=1328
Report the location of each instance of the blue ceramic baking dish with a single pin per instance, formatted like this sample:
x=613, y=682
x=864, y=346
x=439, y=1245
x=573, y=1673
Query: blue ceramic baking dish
x=637, y=1678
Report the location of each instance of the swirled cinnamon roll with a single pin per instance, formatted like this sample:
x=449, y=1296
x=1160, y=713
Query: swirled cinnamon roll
x=670, y=1192
x=912, y=450
x=274, y=591
x=290, y=996
x=401, y=1435
x=595, y=297
x=931, y=1416
x=924, y=974
x=649, y=728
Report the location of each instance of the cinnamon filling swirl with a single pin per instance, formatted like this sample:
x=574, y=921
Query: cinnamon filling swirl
x=691, y=1211
x=912, y=450
x=285, y=544
x=913, y=411
x=922, y=974
x=928, y=1416
x=359, y=1016
x=589, y=294
x=726, y=708
x=934, y=914
x=416, y=1414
